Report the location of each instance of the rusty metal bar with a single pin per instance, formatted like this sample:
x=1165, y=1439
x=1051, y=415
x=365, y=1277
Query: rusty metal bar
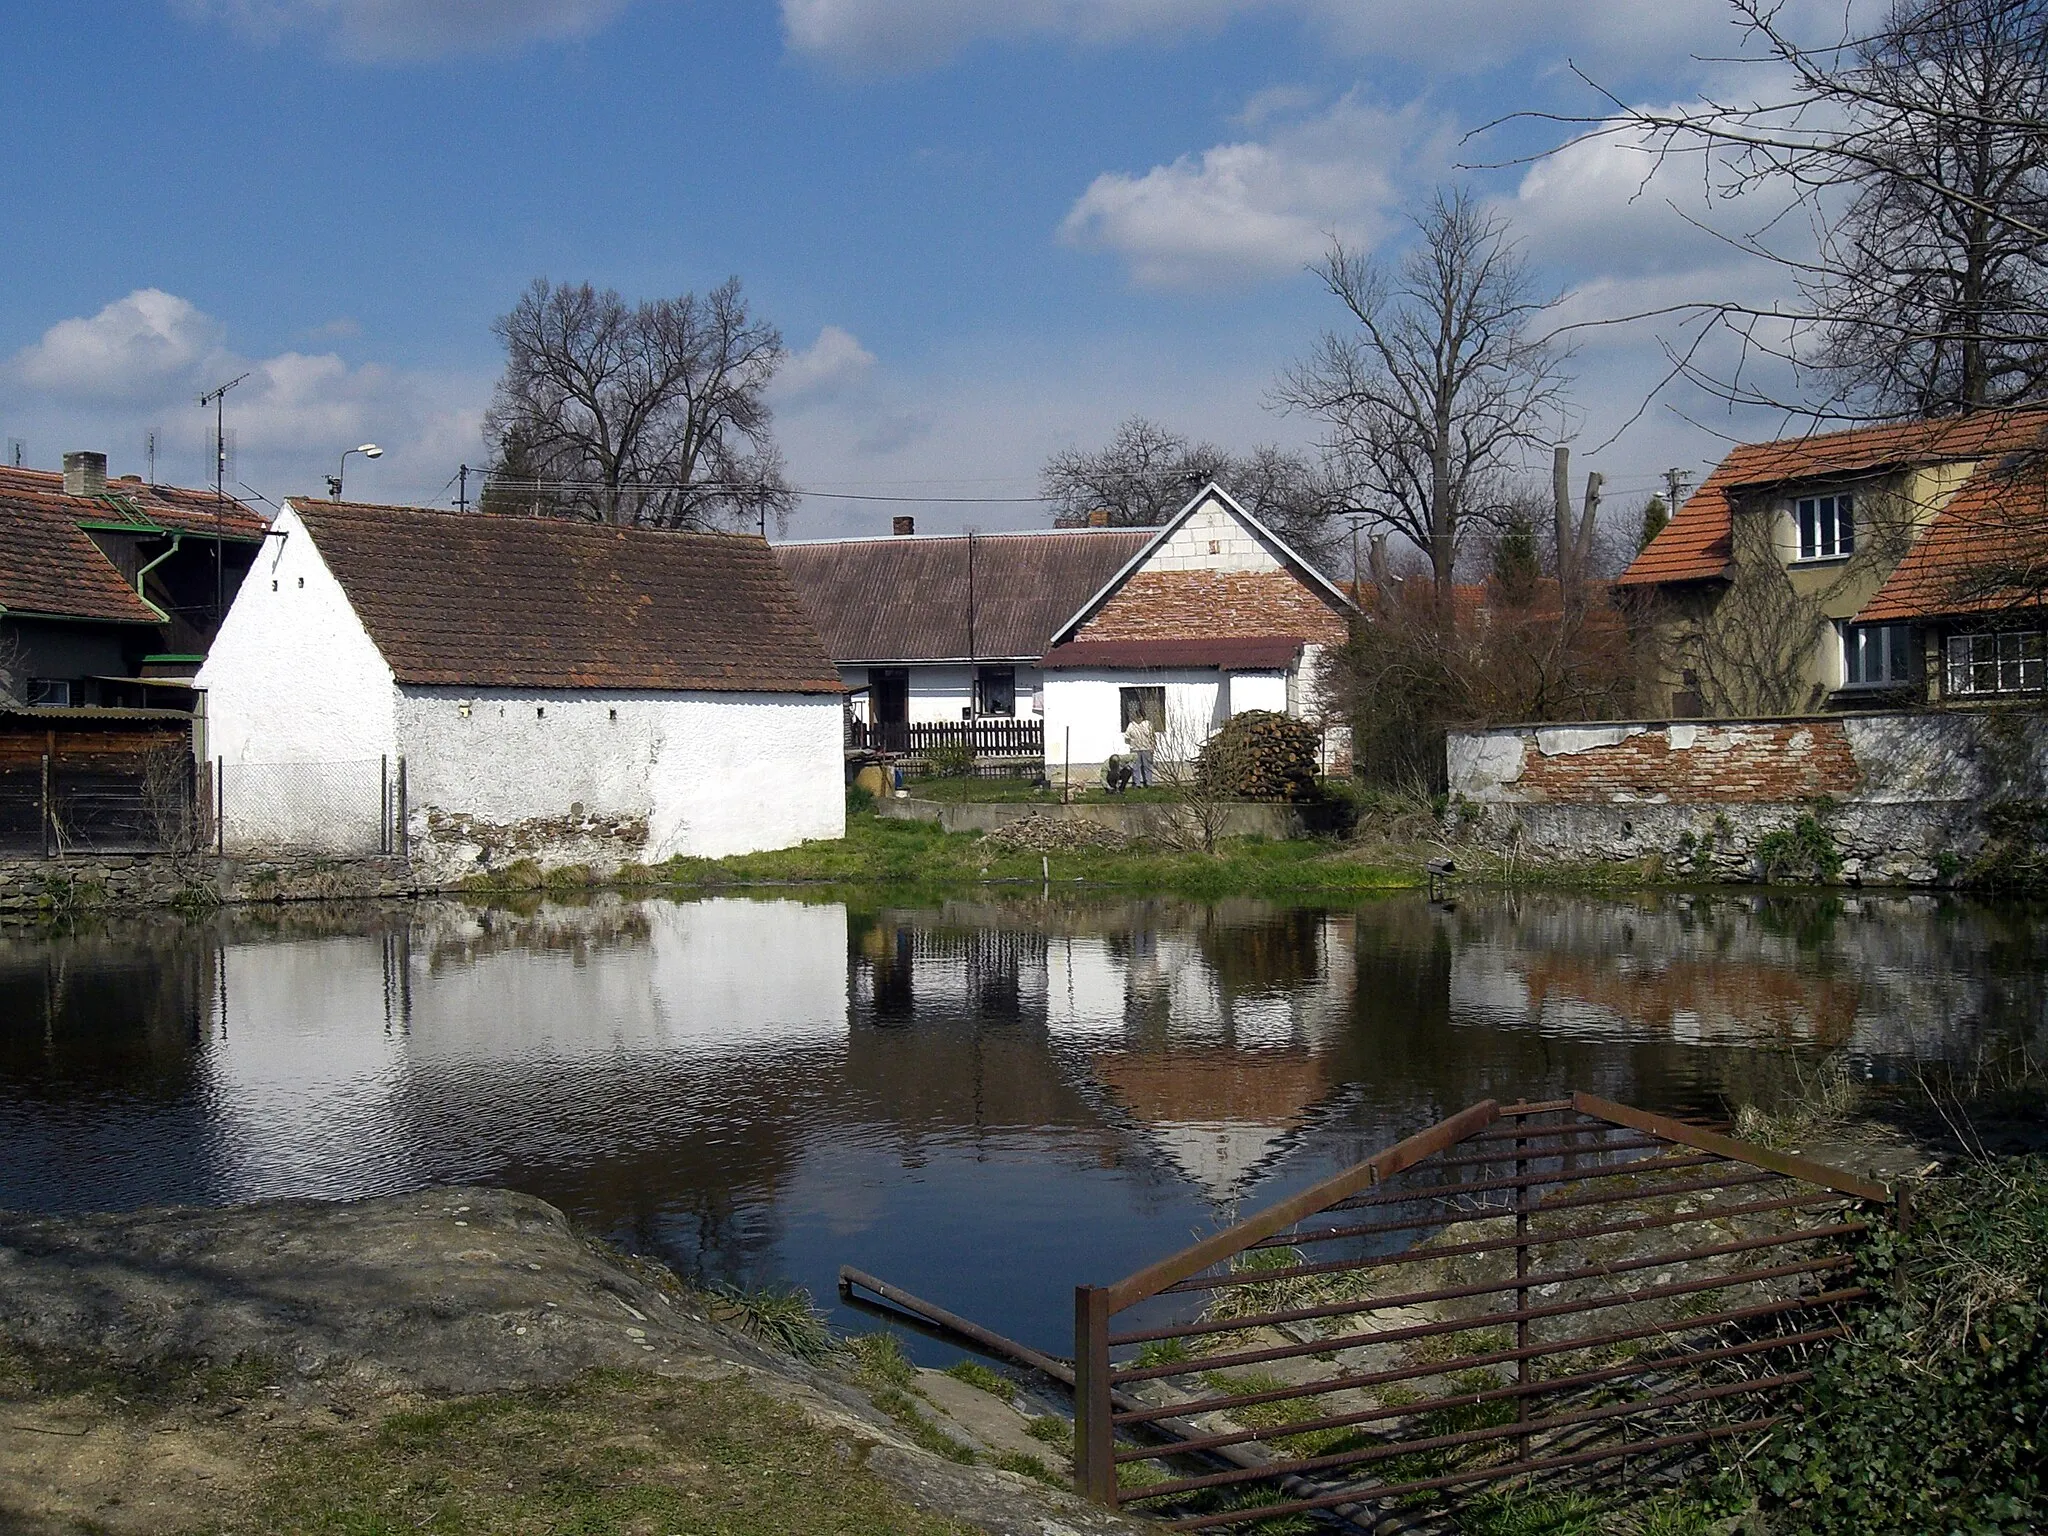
x=1753, y=1313
x=1523, y=1283
x=1465, y=1437
x=1235, y=1239
x=986, y=1340
x=1543, y=1107
x=1786, y=1163
x=1522, y=1204
x=1481, y=1320
x=1539, y=1154
x=1636, y=1166
x=1494, y=1474
x=1094, y=1421
x=1499, y=1245
x=1523, y=1390
x=1562, y=1202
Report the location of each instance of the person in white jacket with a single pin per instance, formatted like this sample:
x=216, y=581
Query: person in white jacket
x=1142, y=740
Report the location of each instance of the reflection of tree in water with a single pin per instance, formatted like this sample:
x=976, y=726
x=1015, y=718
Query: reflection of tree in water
x=121, y=1009
x=1253, y=947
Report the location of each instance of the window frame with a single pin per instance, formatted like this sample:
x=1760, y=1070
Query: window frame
x=1898, y=653
x=994, y=684
x=38, y=690
x=1996, y=663
x=1823, y=527
x=1144, y=695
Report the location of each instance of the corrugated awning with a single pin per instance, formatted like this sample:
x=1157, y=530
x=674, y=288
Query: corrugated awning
x=1253, y=653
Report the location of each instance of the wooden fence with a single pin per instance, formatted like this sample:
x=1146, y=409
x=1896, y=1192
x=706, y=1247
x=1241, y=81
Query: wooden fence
x=978, y=738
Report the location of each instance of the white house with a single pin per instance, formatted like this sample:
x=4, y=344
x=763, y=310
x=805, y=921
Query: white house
x=928, y=630
x=1214, y=615
x=565, y=692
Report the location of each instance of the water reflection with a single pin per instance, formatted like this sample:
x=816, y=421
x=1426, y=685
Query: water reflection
x=989, y=1101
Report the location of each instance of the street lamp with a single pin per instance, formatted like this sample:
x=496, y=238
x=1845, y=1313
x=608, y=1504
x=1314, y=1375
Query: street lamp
x=367, y=450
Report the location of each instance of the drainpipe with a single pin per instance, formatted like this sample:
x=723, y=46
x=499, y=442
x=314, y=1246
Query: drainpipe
x=177, y=542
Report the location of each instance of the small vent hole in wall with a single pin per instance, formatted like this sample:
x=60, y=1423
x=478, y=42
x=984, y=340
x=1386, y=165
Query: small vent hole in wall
x=1215, y=546
x=615, y=714
x=273, y=586
x=540, y=712
x=462, y=710
x=302, y=581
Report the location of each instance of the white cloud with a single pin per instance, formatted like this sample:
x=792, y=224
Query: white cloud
x=1259, y=207
x=382, y=31
x=893, y=35
x=105, y=380
x=832, y=362
x=130, y=348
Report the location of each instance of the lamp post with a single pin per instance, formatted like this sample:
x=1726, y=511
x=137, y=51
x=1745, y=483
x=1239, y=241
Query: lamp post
x=367, y=450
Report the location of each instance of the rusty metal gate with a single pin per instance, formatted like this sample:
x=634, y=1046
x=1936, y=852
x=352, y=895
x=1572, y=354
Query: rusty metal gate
x=1531, y=1291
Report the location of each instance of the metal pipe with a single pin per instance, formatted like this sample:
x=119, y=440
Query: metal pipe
x=988, y=1341
x=1633, y=1166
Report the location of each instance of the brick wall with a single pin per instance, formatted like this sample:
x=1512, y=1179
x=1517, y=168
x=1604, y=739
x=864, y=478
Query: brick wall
x=1201, y=605
x=1742, y=764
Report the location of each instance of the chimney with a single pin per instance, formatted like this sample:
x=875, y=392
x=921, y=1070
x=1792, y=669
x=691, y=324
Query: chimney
x=85, y=474
x=903, y=527
x=1099, y=518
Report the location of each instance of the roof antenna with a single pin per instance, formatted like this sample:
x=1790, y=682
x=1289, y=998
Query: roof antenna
x=15, y=449
x=214, y=397
x=150, y=450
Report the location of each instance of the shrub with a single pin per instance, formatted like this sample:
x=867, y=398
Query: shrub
x=949, y=761
x=859, y=802
x=1803, y=853
x=1260, y=755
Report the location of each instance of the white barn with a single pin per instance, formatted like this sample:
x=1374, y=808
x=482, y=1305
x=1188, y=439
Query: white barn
x=565, y=692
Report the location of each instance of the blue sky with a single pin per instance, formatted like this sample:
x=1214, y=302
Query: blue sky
x=986, y=228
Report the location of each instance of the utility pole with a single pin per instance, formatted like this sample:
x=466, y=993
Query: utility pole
x=462, y=491
x=216, y=399
x=1676, y=482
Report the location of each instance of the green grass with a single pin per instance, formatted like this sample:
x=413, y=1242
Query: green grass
x=975, y=1374
x=879, y=850
x=1020, y=792
x=606, y=1455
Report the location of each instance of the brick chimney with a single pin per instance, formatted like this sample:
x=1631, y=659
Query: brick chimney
x=903, y=527
x=85, y=474
x=1099, y=518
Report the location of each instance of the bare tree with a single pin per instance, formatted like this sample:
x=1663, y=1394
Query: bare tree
x=1439, y=384
x=1914, y=157
x=13, y=668
x=649, y=416
x=1147, y=472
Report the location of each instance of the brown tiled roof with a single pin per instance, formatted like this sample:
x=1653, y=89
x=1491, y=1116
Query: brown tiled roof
x=455, y=599
x=906, y=599
x=166, y=506
x=1228, y=653
x=1695, y=546
x=1985, y=551
x=49, y=565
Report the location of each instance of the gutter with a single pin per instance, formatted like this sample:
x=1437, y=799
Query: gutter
x=177, y=542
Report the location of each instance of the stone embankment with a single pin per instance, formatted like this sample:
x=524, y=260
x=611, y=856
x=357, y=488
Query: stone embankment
x=158, y=1368
x=1898, y=798
x=31, y=887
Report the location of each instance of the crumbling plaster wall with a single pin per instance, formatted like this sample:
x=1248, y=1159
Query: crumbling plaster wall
x=1901, y=794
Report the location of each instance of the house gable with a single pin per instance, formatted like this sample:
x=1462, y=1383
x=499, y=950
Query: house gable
x=1214, y=572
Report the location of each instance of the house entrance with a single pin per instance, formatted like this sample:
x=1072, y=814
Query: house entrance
x=891, y=690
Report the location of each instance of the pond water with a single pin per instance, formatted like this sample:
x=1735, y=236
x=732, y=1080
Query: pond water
x=985, y=1102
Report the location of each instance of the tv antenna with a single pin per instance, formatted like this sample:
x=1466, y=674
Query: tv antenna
x=149, y=448
x=215, y=398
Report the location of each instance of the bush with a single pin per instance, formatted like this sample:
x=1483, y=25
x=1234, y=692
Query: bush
x=1933, y=1414
x=1804, y=853
x=1260, y=755
x=859, y=802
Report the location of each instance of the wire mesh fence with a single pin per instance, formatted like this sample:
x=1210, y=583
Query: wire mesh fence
x=340, y=807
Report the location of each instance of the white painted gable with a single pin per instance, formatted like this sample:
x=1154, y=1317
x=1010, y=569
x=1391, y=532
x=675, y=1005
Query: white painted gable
x=1215, y=537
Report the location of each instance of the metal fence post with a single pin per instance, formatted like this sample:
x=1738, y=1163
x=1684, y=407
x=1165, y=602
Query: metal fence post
x=220, y=806
x=404, y=830
x=1523, y=1365
x=1094, y=1430
x=45, y=805
x=384, y=803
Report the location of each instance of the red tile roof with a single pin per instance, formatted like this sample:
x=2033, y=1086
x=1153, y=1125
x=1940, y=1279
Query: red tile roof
x=1226, y=653
x=131, y=501
x=1985, y=551
x=49, y=565
x=906, y=598
x=466, y=599
x=1695, y=545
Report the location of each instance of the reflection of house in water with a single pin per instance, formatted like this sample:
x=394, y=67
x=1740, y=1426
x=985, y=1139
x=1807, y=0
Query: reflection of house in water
x=1203, y=1028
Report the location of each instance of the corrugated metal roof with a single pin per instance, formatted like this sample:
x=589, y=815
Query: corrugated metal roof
x=456, y=599
x=1696, y=545
x=902, y=599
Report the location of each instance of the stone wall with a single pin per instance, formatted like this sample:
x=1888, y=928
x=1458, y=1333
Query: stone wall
x=1901, y=795
x=31, y=887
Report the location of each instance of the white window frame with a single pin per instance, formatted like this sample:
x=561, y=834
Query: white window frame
x=50, y=692
x=1988, y=662
x=1824, y=527
x=1895, y=647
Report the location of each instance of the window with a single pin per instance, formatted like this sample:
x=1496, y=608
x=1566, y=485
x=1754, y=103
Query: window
x=50, y=692
x=1827, y=528
x=1149, y=702
x=1877, y=655
x=995, y=691
x=2007, y=661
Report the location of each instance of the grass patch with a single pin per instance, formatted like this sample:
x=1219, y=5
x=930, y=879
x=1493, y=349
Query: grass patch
x=783, y=1319
x=1053, y=1430
x=879, y=850
x=608, y=1453
x=1530, y=1514
x=975, y=1374
x=903, y=1408
x=1029, y=1466
x=879, y=1361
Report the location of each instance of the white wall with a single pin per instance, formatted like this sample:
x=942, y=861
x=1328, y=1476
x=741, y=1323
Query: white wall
x=713, y=773
x=1088, y=702
x=939, y=691
x=293, y=676
x=1212, y=539
x=1259, y=690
